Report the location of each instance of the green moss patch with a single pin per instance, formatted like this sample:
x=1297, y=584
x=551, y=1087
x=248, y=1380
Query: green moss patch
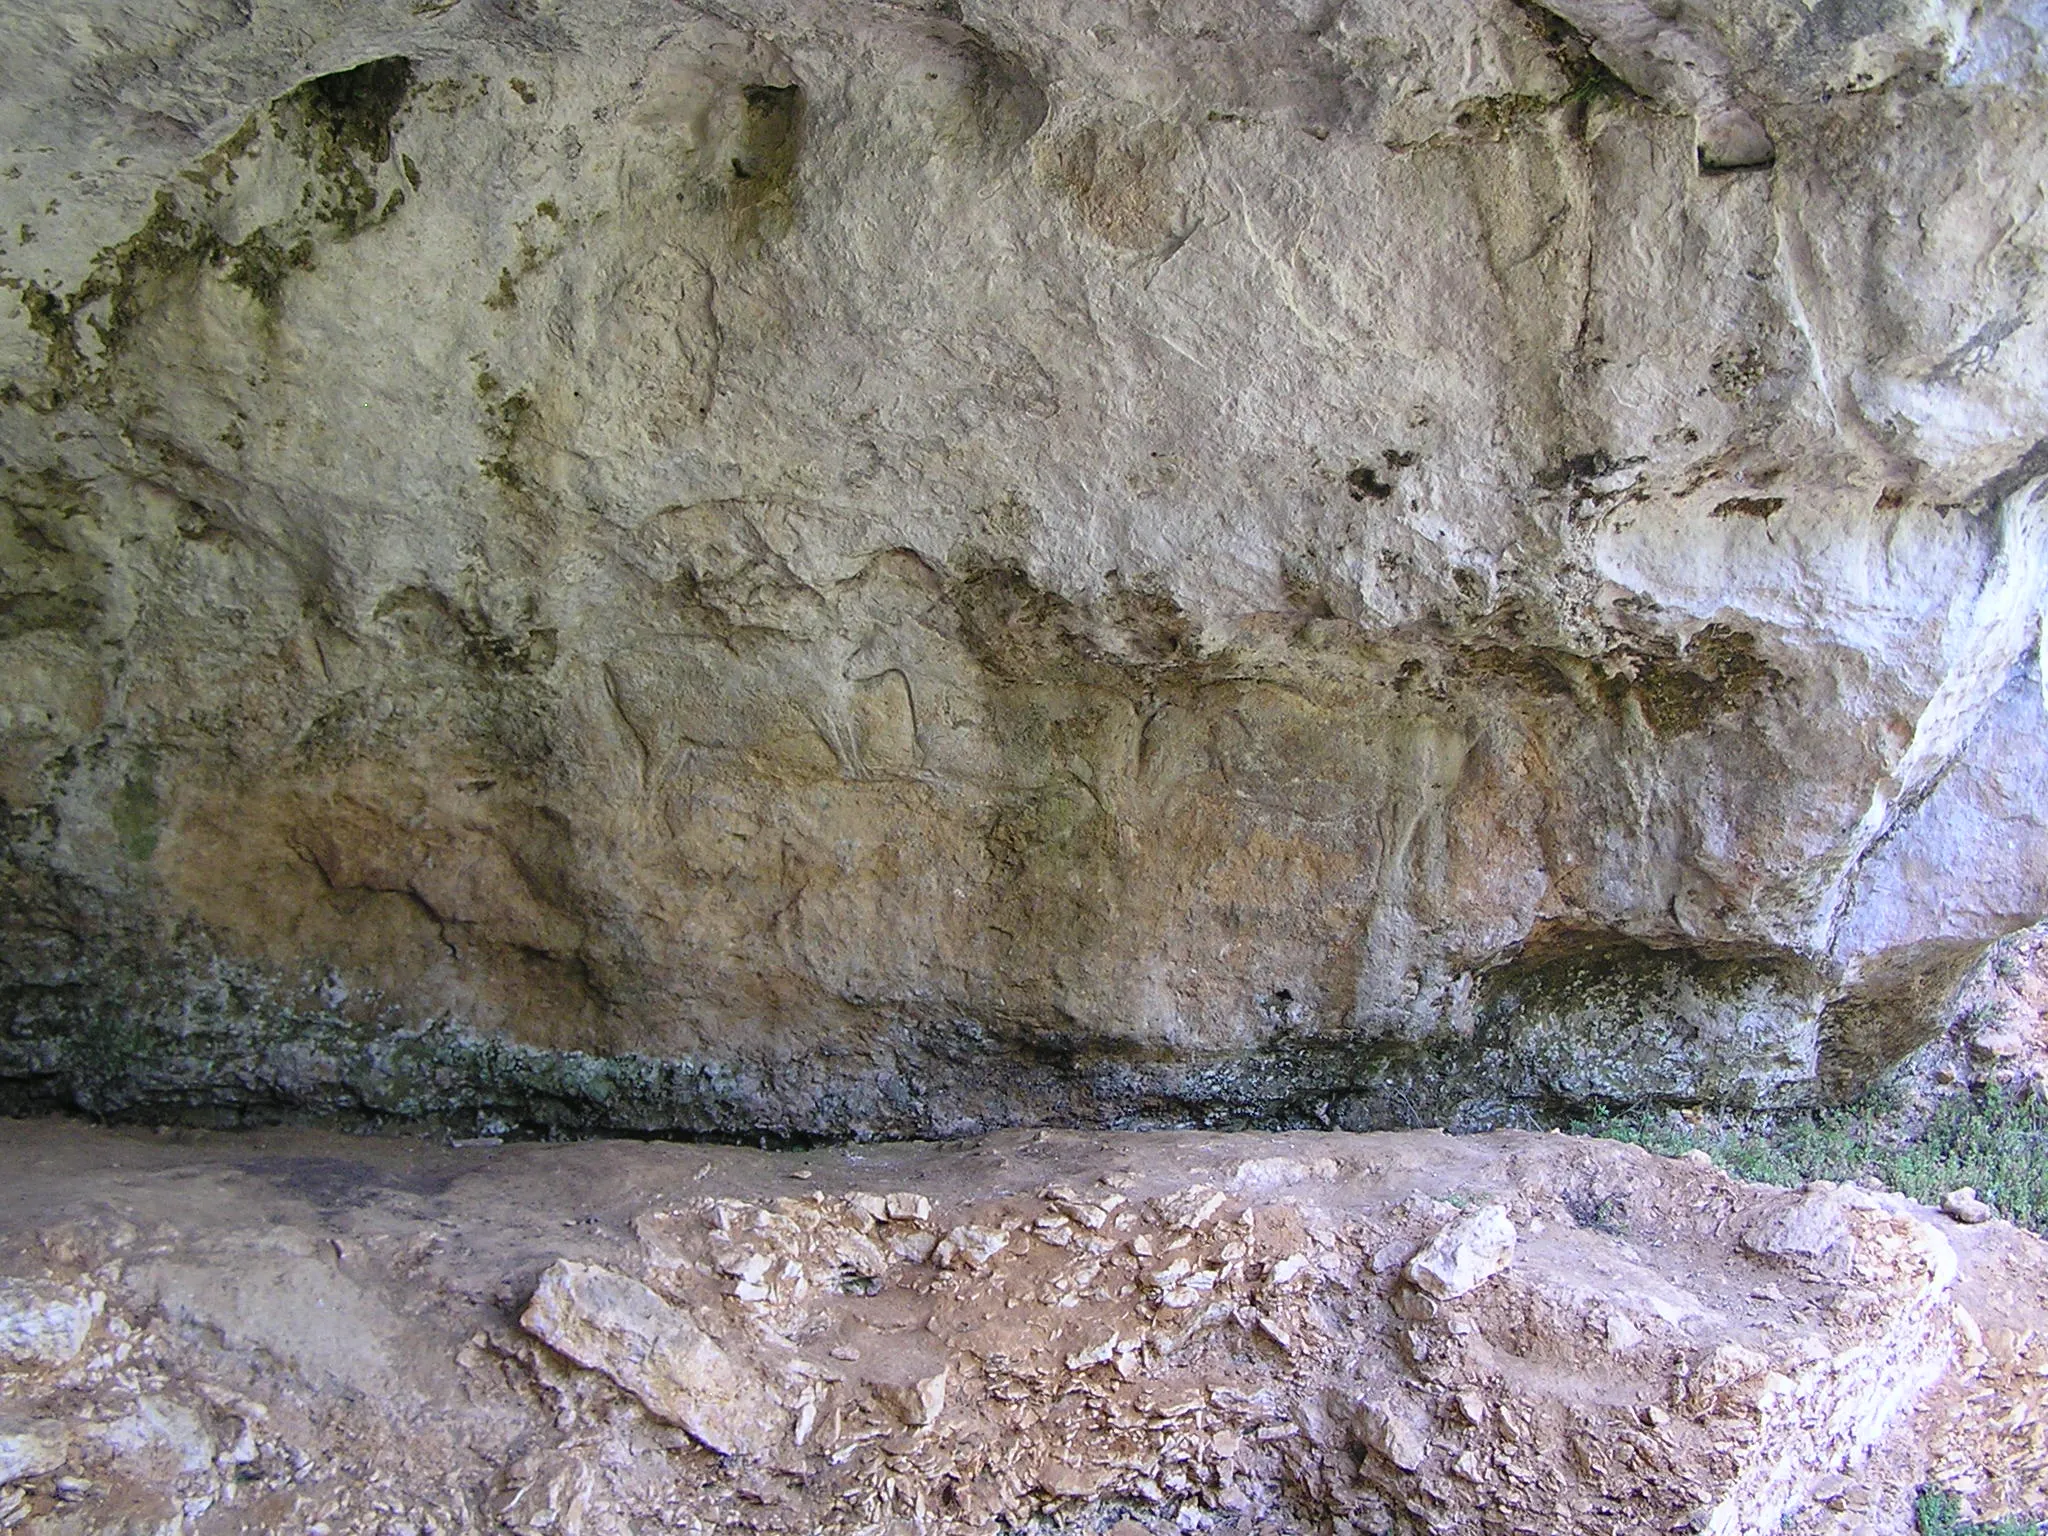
x=1990, y=1138
x=763, y=169
x=338, y=127
x=137, y=815
x=356, y=107
x=1937, y=1512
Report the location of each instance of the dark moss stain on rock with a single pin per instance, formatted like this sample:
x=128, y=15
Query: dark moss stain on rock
x=1587, y=78
x=1589, y=84
x=340, y=126
x=1760, y=507
x=1364, y=484
x=356, y=107
x=136, y=814
x=50, y=580
x=506, y=423
x=1598, y=1019
x=22, y=612
x=1577, y=471
x=51, y=319
x=530, y=260
x=1718, y=673
x=118, y=290
x=506, y=295
x=764, y=161
x=1676, y=691
x=121, y=1033
x=259, y=266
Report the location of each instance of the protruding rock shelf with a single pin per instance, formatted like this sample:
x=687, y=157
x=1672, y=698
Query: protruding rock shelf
x=1238, y=1334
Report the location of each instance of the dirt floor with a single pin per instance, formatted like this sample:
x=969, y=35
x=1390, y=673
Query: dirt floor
x=206, y=1333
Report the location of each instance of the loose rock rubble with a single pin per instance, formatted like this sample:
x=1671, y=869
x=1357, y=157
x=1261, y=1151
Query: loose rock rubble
x=1172, y=1333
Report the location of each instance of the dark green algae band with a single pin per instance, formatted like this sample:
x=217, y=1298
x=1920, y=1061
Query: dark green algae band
x=197, y=1040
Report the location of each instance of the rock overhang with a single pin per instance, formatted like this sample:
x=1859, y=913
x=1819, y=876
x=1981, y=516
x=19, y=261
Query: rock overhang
x=963, y=568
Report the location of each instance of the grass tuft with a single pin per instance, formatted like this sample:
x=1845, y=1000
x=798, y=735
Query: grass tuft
x=1991, y=1138
x=1937, y=1512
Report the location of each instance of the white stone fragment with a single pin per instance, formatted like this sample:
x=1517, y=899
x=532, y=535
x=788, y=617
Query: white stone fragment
x=1086, y=1213
x=907, y=1207
x=1622, y=1332
x=919, y=1403
x=1094, y=1355
x=1275, y=1332
x=1290, y=1269
x=910, y=1245
x=43, y=1324
x=874, y=1207
x=974, y=1246
x=1465, y=1254
x=1391, y=1431
x=1190, y=1209
x=611, y=1323
x=31, y=1448
x=1963, y=1205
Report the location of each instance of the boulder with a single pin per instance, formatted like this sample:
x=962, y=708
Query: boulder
x=612, y=1323
x=1465, y=1254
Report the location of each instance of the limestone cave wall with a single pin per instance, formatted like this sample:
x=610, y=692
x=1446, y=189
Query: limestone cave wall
x=893, y=568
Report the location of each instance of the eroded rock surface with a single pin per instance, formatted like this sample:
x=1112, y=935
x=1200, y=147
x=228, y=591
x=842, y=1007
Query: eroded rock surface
x=1057, y=1332
x=888, y=567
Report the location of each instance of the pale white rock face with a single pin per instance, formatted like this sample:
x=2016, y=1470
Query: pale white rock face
x=878, y=567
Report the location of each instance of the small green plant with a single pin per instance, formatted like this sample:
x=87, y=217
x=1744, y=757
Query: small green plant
x=1937, y=1512
x=1992, y=1138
